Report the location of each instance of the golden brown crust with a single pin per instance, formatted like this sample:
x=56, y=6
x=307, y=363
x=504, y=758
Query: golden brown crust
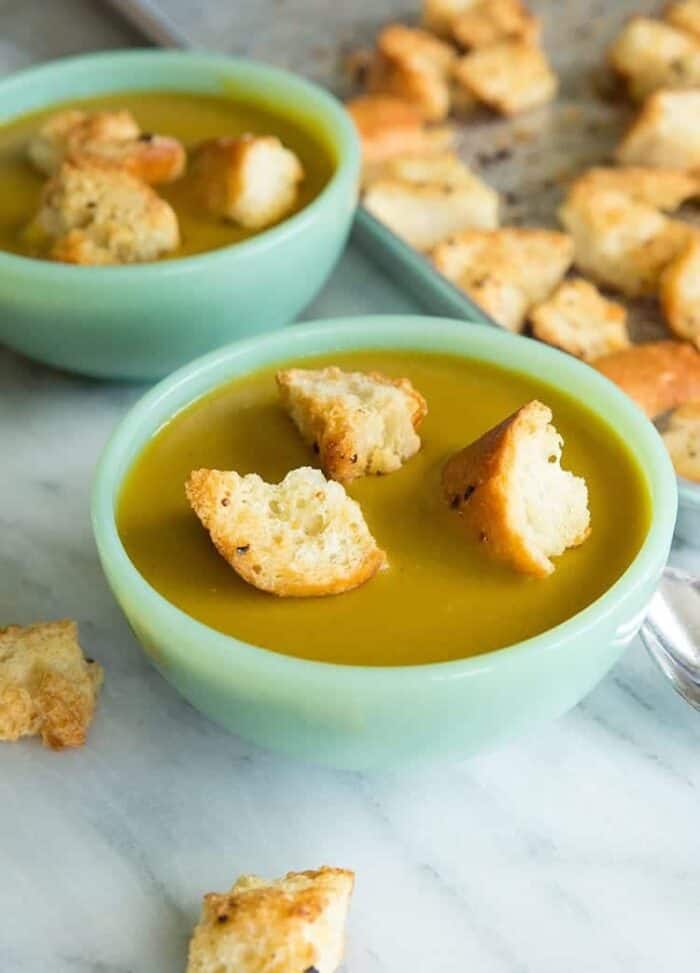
x=578, y=319
x=390, y=127
x=658, y=376
x=657, y=186
x=685, y=15
x=509, y=77
x=680, y=294
x=652, y=55
x=292, y=924
x=489, y=22
x=682, y=440
x=481, y=480
x=666, y=132
x=263, y=550
x=415, y=66
x=324, y=407
x=46, y=685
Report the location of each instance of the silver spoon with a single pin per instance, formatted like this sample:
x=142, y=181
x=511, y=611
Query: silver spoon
x=671, y=632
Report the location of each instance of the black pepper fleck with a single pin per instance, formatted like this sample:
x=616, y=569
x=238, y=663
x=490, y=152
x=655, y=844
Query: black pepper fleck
x=454, y=502
x=225, y=502
x=145, y=136
x=468, y=492
x=353, y=458
x=243, y=549
x=316, y=448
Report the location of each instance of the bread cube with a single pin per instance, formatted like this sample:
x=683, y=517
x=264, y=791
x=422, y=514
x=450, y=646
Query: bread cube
x=665, y=133
x=510, y=77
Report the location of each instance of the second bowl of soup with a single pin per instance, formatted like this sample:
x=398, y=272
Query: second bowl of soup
x=224, y=280
x=448, y=650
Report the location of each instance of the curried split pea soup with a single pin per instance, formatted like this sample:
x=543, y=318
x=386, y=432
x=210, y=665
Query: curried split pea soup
x=191, y=118
x=442, y=598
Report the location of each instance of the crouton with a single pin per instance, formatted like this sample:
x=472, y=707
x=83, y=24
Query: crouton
x=651, y=55
x=664, y=189
x=92, y=215
x=505, y=271
x=290, y=925
x=514, y=497
x=509, y=77
x=388, y=127
x=487, y=22
x=680, y=293
x=110, y=138
x=682, y=440
x=619, y=242
x=300, y=538
x=578, y=319
x=47, y=687
x=658, y=375
x=438, y=15
x=413, y=65
x=252, y=180
x=425, y=200
x=359, y=423
x=685, y=15
x=665, y=133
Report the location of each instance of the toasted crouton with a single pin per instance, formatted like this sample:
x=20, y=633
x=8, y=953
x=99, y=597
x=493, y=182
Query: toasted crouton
x=438, y=15
x=658, y=375
x=413, y=65
x=682, y=440
x=487, y=22
x=110, y=138
x=425, y=200
x=509, y=77
x=359, y=423
x=578, y=319
x=252, y=180
x=651, y=55
x=665, y=133
x=619, y=242
x=685, y=15
x=47, y=687
x=680, y=293
x=506, y=271
x=93, y=215
x=290, y=925
x=514, y=497
x=665, y=189
x=300, y=538
x=388, y=127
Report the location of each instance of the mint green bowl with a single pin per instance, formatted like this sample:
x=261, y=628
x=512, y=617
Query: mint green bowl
x=358, y=717
x=142, y=321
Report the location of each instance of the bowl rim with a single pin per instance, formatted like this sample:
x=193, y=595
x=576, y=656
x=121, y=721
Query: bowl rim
x=385, y=332
x=338, y=129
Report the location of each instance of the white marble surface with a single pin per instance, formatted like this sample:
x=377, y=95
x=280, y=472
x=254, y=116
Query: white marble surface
x=575, y=851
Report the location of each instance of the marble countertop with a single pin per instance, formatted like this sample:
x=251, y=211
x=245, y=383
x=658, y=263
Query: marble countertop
x=575, y=850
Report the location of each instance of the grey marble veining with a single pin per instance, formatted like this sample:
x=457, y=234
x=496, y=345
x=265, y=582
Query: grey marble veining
x=576, y=850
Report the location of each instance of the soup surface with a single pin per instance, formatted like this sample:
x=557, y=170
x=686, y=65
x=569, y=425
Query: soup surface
x=441, y=598
x=190, y=118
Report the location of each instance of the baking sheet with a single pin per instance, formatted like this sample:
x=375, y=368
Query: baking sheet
x=529, y=159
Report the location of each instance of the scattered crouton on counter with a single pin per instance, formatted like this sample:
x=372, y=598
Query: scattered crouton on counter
x=390, y=127
x=680, y=293
x=110, y=138
x=425, y=200
x=664, y=189
x=95, y=215
x=665, y=133
x=619, y=242
x=299, y=538
x=358, y=423
x=657, y=375
x=513, y=496
x=578, y=319
x=252, y=180
x=682, y=439
x=294, y=924
x=47, y=687
x=509, y=77
x=650, y=55
x=485, y=22
x=506, y=271
x=685, y=15
x=412, y=64
x=438, y=15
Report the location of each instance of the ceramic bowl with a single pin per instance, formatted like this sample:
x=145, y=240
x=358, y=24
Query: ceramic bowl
x=360, y=717
x=142, y=321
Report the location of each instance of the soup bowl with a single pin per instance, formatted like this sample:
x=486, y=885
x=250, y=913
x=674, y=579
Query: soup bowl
x=143, y=320
x=363, y=717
